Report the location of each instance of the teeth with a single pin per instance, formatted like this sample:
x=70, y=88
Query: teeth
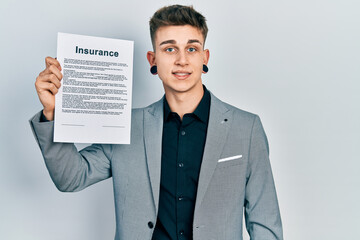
x=182, y=74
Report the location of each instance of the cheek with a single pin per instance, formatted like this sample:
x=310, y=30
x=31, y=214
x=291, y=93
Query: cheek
x=198, y=60
x=163, y=62
x=163, y=68
x=198, y=65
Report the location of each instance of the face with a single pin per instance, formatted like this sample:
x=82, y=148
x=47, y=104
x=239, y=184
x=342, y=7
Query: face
x=179, y=56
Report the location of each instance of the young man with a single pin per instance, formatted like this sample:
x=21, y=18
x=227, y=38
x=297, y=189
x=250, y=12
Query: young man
x=194, y=162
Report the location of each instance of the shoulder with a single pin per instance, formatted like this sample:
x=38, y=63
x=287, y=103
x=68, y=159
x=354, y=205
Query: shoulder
x=238, y=114
x=241, y=121
x=154, y=108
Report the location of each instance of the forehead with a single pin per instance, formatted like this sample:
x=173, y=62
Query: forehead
x=181, y=34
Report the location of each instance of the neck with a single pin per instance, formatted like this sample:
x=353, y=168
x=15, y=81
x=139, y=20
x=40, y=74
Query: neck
x=184, y=102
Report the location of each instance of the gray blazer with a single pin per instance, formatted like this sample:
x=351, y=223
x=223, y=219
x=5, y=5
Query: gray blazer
x=235, y=174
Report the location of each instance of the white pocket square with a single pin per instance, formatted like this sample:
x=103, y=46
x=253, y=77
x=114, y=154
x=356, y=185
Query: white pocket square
x=229, y=158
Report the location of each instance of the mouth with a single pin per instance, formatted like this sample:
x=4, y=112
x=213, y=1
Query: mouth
x=181, y=74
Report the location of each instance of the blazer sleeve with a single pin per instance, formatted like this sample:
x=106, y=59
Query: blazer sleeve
x=69, y=169
x=262, y=215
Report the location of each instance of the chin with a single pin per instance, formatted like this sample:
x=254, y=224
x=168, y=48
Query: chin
x=182, y=87
x=173, y=84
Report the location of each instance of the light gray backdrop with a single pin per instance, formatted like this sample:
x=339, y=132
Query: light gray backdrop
x=295, y=63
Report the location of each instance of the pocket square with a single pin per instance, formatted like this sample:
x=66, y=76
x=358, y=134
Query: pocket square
x=229, y=158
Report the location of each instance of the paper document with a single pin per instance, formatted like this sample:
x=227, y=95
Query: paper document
x=93, y=104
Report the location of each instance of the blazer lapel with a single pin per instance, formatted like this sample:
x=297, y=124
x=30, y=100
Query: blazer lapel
x=153, y=128
x=218, y=128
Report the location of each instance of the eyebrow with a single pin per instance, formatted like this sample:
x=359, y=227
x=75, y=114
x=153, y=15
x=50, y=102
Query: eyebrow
x=174, y=42
x=167, y=42
x=194, y=41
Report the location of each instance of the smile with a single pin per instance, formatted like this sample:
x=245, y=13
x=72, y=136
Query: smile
x=181, y=75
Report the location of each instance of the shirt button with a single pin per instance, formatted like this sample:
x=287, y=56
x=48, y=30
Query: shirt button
x=181, y=165
x=150, y=225
x=183, y=133
x=181, y=232
x=180, y=198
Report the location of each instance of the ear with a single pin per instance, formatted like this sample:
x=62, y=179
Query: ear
x=206, y=56
x=151, y=58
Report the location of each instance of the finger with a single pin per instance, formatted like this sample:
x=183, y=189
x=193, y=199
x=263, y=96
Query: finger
x=49, y=78
x=52, y=70
x=46, y=71
x=56, y=71
x=53, y=89
x=47, y=86
x=43, y=72
x=52, y=61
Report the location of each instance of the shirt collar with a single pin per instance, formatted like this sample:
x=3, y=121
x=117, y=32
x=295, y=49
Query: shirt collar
x=201, y=111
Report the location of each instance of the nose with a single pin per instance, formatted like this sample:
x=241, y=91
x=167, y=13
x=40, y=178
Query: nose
x=181, y=58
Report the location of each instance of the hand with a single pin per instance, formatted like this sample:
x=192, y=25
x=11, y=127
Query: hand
x=47, y=85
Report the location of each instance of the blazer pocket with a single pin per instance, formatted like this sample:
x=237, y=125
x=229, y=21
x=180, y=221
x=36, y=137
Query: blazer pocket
x=230, y=158
x=230, y=161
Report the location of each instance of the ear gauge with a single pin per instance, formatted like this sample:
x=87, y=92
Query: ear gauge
x=153, y=70
x=205, y=68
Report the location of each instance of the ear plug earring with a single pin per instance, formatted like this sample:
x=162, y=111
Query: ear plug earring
x=153, y=70
x=205, y=68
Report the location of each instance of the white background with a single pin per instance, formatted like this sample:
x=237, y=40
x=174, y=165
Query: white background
x=295, y=63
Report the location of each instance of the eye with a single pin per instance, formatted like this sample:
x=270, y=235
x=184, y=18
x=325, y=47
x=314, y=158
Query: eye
x=192, y=49
x=170, y=49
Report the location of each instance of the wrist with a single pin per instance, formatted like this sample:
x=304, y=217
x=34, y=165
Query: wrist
x=49, y=114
